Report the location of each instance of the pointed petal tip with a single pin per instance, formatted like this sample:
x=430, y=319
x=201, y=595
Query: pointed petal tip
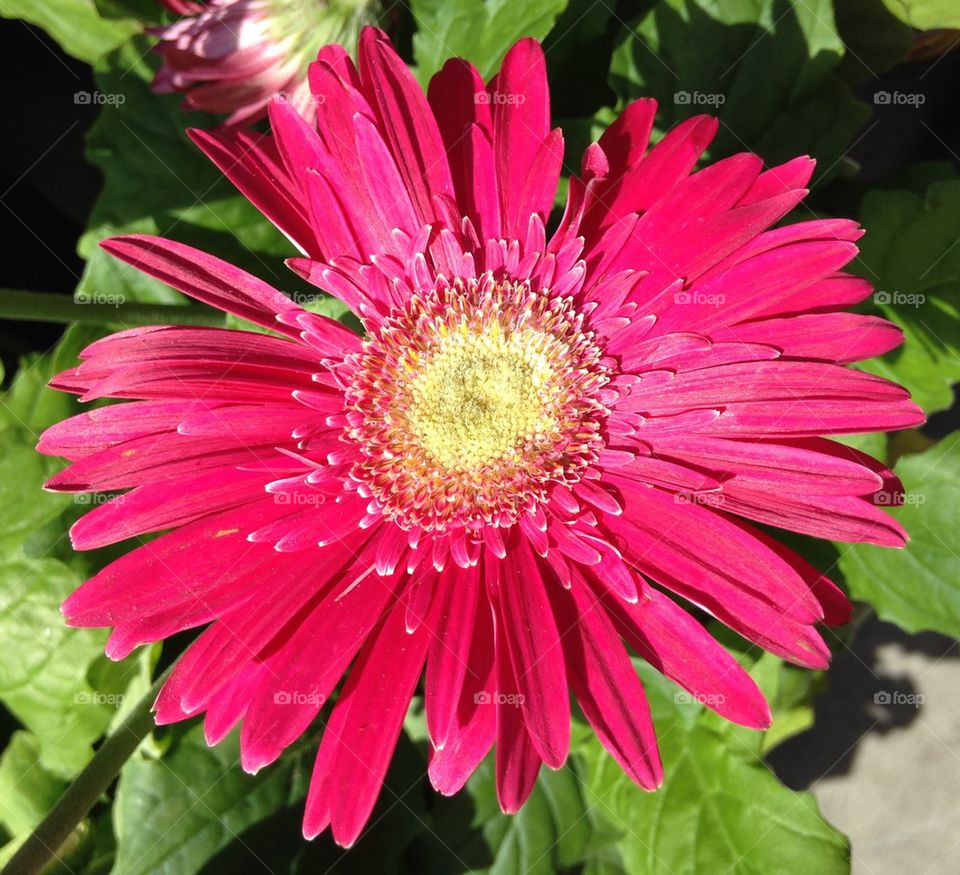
x=766, y=720
x=757, y=715
x=310, y=833
x=553, y=758
x=164, y=718
x=300, y=266
x=509, y=807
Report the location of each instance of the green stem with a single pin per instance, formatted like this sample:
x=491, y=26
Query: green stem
x=75, y=804
x=109, y=309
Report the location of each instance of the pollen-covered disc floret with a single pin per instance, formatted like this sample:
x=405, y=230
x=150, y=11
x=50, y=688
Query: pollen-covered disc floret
x=472, y=400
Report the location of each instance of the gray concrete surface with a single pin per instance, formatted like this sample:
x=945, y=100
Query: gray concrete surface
x=883, y=758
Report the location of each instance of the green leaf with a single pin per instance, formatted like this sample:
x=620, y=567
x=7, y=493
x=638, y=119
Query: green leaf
x=24, y=508
x=916, y=587
x=29, y=404
x=479, y=30
x=44, y=664
x=910, y=255
x=27, y=789
x=789, y=690
x=548, y=834
x=149, y=11
x=173, y=815
x=578, y=50
x=26, y=409
x=158, y=182
x=124, y=690
x=720, y=809
x=926, y=14
x=698, y=56
x=75, y=24
x=876, y=41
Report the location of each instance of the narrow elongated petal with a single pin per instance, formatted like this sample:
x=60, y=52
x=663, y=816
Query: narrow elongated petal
x=675, y=643
x=531, y=639
x=204, y=277
x=517, y=760
x=606, y=685
x=376, y=695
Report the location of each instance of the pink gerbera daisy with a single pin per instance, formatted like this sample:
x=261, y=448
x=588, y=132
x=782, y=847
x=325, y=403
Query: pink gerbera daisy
x=541, y=447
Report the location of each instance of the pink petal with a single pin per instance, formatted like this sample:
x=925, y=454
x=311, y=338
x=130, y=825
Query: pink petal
x=204, y=277
x=471, y=735
x=405, y=121
x=450, y=650
x=834, y=337
x=163, y=505
x=674, y=643
x=606, y=684
x=531, y=638
x=517, y=759
x=104, y=427
x=804, y=465
x=377, y=695
x=251, y=163
x=312, y=661
x=521, y=122
x=722, y=561
x=155, y=458
x=775, y=381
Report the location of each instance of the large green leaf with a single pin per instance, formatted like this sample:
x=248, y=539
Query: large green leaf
x=27, y=789
x=44, y=664
x=26, y=409
x=699, y=56
x=23, y=506
x=175, y=814
x=926, y=14
x=158, y=182
x=479, y=30
x=720, y=809
x=578, y=50
x=28, y=404
x=910, y=255
x=875, y=39
x=549, y=834
x=75, y=24
x=917, y=587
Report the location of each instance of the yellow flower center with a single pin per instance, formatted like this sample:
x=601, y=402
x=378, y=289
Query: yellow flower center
x=482, y=396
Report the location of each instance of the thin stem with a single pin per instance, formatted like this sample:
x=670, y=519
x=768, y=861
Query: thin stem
x=101, y=309
x=75, y=804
